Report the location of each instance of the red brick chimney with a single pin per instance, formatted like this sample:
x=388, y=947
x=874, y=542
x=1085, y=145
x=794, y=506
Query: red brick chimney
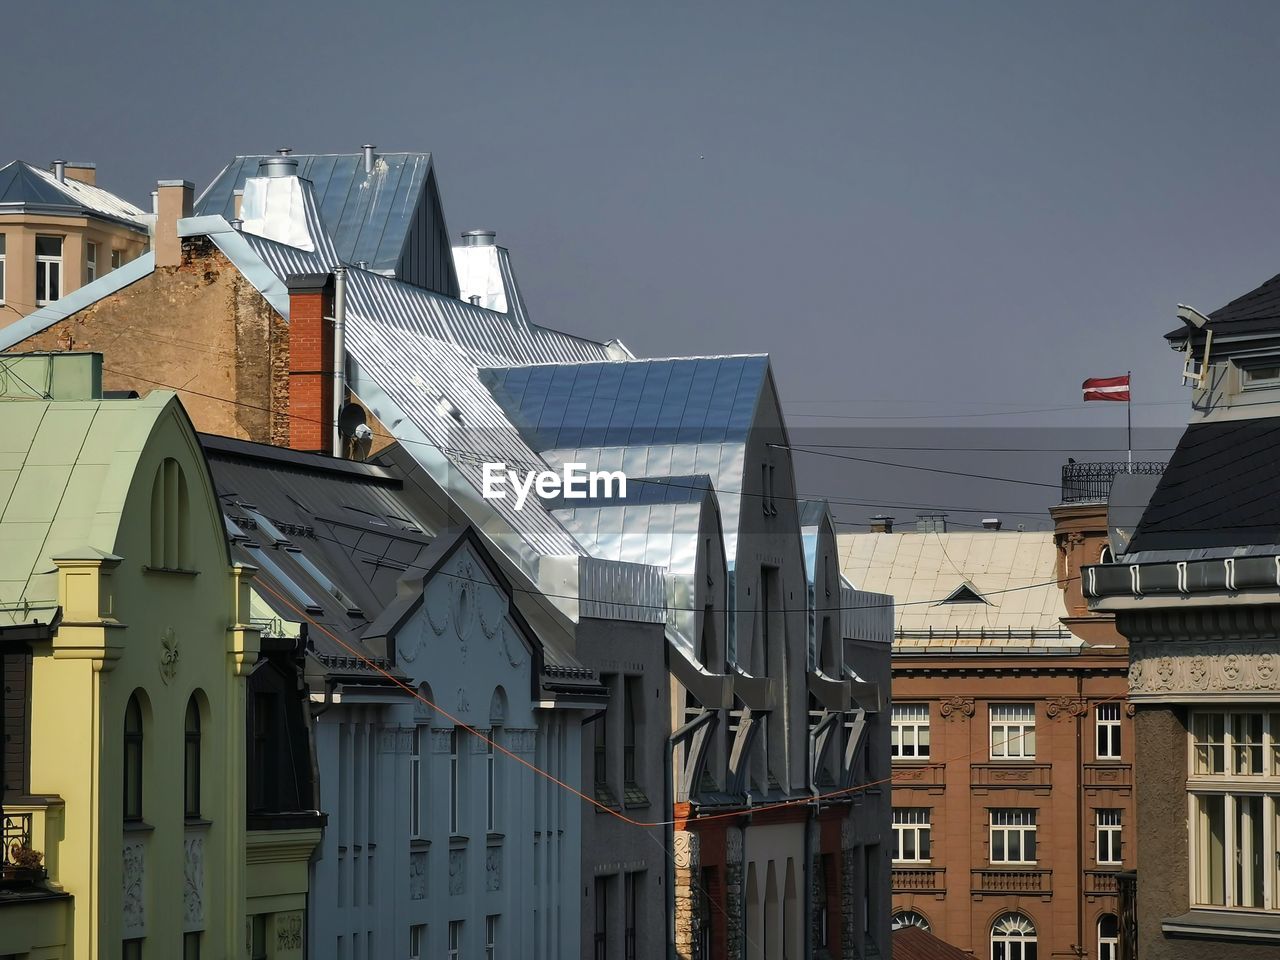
x=311, y=362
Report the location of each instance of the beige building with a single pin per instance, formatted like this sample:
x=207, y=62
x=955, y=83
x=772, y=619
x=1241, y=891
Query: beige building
x=60, y=231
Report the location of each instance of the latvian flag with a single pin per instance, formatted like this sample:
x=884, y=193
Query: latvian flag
x=1107, y=388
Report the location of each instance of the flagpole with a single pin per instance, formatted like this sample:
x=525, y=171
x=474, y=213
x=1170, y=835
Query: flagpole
x=1128, y=409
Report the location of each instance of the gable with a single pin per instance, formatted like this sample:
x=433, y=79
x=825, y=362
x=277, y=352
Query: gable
x=965, y=593
x=426, y=256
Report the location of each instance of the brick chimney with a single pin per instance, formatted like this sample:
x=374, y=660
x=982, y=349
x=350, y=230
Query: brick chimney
x=175, y=199
x=82, y=173
x=881, y=524
x=311, y=362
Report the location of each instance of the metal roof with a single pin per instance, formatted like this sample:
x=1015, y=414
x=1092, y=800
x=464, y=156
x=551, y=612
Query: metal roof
x=28, y=189
x=369, y=215
x=631, y=402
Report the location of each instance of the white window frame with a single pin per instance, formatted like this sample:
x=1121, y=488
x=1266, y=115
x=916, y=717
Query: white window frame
x=90, y=261
x=455, y=781
x=1013, y=731
x=909, y=733
x=491, y=783
x=417, y=941
x=909, y=918
x=1009, y=940
x=1249, y=379
x=1108, y=947
x=914, y=823
x=43, y=263
x=1013, y=824
x=455, y=939
x=1106, y=742
x=420, y=732
x=1108, y=823
x=491, y=937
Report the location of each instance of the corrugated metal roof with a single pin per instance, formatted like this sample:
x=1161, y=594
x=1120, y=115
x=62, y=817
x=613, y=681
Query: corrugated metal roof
x=1014, y=573
x=369, y=215
x=27, y=188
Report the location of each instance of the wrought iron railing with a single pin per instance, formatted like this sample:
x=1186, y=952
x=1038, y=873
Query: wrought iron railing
x=17, y=834
x=1091, y=482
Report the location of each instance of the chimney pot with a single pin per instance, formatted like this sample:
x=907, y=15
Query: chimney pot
x=281, y=166
x=60, y=170
x=284, y=151
x=479, y=238
x=881, y=524
x=369, y=157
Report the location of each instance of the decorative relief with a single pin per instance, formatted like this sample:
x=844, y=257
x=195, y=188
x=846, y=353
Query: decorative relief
x=134, y=880
x=193, y=889
x=1129, y=710
x=512, y=648
x=168, y=655
x=464, y=704
x=289, y=931
x=956, y=707
x=1010, y=775
x=493, y=869
x=457, y=872
x=519, y=740
x=1209, y=668
x=685, y=846
x=418, y=875
x=437, y=616
x=1066, y=707
x=440, y=740
x=916, y=773
x=733, y=846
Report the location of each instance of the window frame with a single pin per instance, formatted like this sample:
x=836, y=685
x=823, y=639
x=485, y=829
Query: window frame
x=918, y=823
x=1248, y=381
x=630, y=908
x=134, y=760
x=1025, y=830
x=417, y=941
x=1107, y=729
x=907, y=918
x=1113, y=832
x=900, y=726
x=1003, y=742
x=491, y=937
x=1009, y=939
x=192, y=760
x=45, y=264
x=415, y=782
x=455, y=782
x=491, y=782
x=1108, y=946
x=454, y=943
x=90, y=261
x=631, y=691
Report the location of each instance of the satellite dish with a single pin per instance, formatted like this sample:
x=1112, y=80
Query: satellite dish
x=352, y=416
x=1127, y=501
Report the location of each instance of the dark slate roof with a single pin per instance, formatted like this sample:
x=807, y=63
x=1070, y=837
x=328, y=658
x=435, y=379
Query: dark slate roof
x=27, y=189
x=1258, y=311
x=1221, y=488
x=369, y=216
x=625, y=403
x=913, y=943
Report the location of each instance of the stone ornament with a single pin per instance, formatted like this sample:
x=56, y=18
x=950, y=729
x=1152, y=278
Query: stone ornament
x=684, y=847
x=133, y=879
x=289, y=931
x=957, y=707
x=1156, y=669
x=493, y=869
x=193, y=883
x=168, y=655
x=1066, y=707
x=418, y=875
x=733, y=846
x=457, y=872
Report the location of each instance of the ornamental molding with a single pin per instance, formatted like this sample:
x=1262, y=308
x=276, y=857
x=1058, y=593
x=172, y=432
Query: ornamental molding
x=418, y=875
x=1064, y=707
x=1198, y=669
x=685, y=849
x=168, y=655
x=193, y=890
x=1209, y=624
x=133, y=878
x=288, y=931
x=956, y=708
x=457, y=872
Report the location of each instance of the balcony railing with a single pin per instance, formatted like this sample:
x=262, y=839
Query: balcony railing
x=1100, y=882
x=1035, y=882
x=17, y=834
x=919, y=879
x=1091, y=482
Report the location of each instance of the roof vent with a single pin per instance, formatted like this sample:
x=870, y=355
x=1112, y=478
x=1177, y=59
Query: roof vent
x=931, y=523
x=369, y=157
x=991, y=523
x=362, y=264
x=881, y=524
x=60, y=170
x=479, y=238
x=280, y=166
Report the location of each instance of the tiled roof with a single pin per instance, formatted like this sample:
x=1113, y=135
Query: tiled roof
x=30, y=189
x=914, y=943
x=1257, y=311
x=1218, y=490
x=1013, y=572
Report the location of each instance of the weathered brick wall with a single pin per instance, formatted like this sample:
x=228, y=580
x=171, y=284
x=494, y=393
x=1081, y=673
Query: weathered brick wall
x=733, y=895
x=688, y=865
x=200, y=328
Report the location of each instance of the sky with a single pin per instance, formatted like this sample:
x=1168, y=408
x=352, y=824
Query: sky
x=929, y=214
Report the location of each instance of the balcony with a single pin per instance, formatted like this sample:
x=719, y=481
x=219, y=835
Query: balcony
x=1108, y=776
x=923, y=879
x=984, y=777
x=1022, y=882
x=1091, y=482
x=1100, y=883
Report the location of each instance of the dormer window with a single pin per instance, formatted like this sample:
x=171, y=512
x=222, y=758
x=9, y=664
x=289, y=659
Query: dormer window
x=1265, y=373
x=965, y=593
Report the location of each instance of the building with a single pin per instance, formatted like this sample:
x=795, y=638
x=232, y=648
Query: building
x=1011, y=745
x=1195, y=593
x=128, y=651
x=60, y=231
x=745, y=698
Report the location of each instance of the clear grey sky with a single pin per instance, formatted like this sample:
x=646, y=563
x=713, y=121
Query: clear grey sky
x=916, y=208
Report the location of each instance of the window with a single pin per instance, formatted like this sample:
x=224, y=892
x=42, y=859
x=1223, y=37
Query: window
x=455, y=939
x=117, y=259
x=1, y=268
x=490, y=937
x=491, y=783
x=1265, y=374
x=629, y=708
x=1013, y=731
x=455, y=781
x=909, y=735
x=1108, y=937
x=191, y=946
x=170, y=549
x=1108, y=836
x=630, y=898
x=908, y=918
x=90, y=262
x=48, y=269
x=1108, y=730
x=965, y=593
x=911, y=834
x=133, y=760
x=1013, y=836
x=415, y=785
x=705, y=928
x=1013, y=937
x=258, y=937
x=131, y=950
x=417, y=941
x=602, y=918
x=191, y=762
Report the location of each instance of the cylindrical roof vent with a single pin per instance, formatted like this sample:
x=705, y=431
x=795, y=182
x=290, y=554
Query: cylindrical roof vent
x=280, y=166
x=369, y=157
x=60, y=170
x=479, y=238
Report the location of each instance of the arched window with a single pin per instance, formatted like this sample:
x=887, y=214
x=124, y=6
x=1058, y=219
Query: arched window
x=1013, y=937
x=170, y=547
x=191, y=762
x=133, y=760
x=909, y=918
x=1108, y=937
